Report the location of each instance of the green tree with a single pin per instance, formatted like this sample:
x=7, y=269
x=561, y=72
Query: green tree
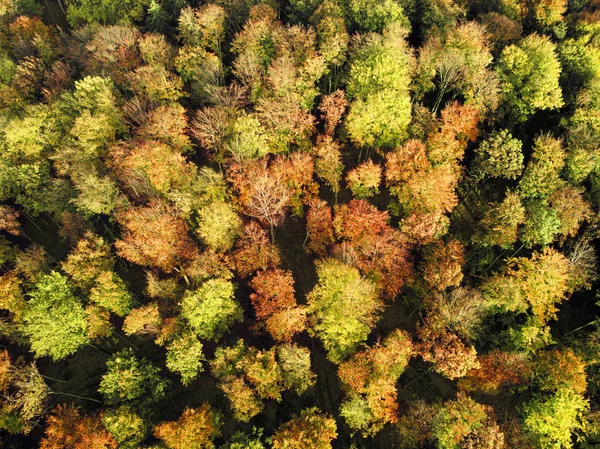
x=218, y=225
x=500, y=224
x=108, y=12
x=185, y=356
x=380, y=71
x=529, y=74
x=344, y=306
x=311, y=429
x=131, y=380
x=110, y=292
x=375, y=15
x=54, y=319
x=542, y=174
x=211, y=309
x=551, y=421
x=126, y=426
x=499, y=156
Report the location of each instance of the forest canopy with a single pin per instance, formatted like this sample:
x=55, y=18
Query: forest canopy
x=299, y=224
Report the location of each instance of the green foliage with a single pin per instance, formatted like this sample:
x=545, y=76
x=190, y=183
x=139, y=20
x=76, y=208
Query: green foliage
x=541, y=224
x=499, y=156
x=295, y=365
x=185, y=356
x=211, y=309
x=219, y=225
x=126, y=426
x=107, y=12
x=131, y=380
x=380, y=109
x=542, y=174
x=356, y=412
x=457, y=419
x=529, y=74
x=551, y=421
x=375, y=15
x=110, y=292
x=344, y=307
x=54, y=320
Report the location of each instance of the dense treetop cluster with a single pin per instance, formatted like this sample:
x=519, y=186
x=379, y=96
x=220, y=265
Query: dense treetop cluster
x=301, y=224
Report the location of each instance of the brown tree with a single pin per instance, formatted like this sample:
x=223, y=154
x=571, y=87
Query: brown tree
x=442, y=264
x=310, y=430
x=254, y=250
x=264, y=194
x=196, y=428
x=154, y=236
x=67, y=429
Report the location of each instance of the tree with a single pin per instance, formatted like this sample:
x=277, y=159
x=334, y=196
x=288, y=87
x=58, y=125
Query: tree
x=542, y=174
x=537, y=283
x=295, y=366
x=498, y=370
x=54, y=319
x=552, y=421
x=110, y=292
x=9, y=220
x=369, y=378
x=126, y=426
x=571, y=209
x=319, y=227
x=328, y=162
x=218, y=225
x=380, y=70
x=67, y=429
x=90, y=258
x=211, y=309
x=274, y=303
x=448, y=352
x=332, y=108
x=442, y=264
x=456, y=420
x=343, y=307
x=499, y=156
x=375, y=15
x=311, y=429
x=254, y=250
x=364, y=180
x=185, y=356
x=204, y=26
x=458, y=61
x=143, y=320
x=154, y=236
x=196, y=428
x=131, y=380
x=529, y=74
x=106, y=12
x=500, y=224
x=264, y=194
x=369, y=243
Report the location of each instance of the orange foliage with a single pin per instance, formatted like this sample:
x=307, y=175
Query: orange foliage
x=455, y=128
x=332, y=108
x=274, y=292
x=9, y=220
x=443, y=262
x=275, y=304
x=254, y=250
x=66, y=429
x=319, y=227
x=195, y=429
x=498, y=369
x=153, y=235
x=449, y=354
x=381, y=252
